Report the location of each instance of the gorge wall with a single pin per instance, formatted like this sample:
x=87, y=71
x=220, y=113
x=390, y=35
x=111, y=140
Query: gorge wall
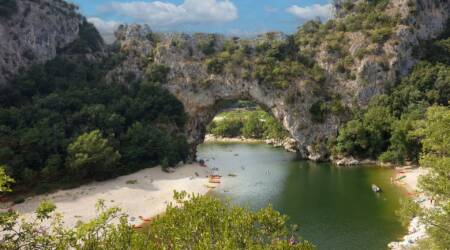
x=310, y=81
x=33, y=32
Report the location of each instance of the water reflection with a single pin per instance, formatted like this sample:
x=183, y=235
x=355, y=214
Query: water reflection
x=335, y=207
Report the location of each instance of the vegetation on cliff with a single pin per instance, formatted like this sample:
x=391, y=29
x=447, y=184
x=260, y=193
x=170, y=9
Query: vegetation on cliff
x=382, y=130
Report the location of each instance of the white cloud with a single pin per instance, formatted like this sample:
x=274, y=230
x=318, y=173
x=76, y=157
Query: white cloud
x=158, y=13
x=106, y=28
x=311, y=12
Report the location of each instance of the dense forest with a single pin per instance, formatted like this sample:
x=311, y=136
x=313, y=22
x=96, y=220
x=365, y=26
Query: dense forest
x=61, y=123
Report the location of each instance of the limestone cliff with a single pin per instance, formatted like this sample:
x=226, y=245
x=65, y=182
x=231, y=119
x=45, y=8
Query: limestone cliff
x=33, y=31
x=310, y=81
x=202, y=91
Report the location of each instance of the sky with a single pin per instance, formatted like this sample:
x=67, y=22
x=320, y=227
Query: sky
x=229, y=17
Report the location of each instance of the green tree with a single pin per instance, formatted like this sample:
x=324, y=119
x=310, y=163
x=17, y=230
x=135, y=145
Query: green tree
x=435, y=133
x=5, y=181
x=192, y=222
x=158, y=73
x=228, y=127
x=253, y=126
x=92, y=155
x=204, y=222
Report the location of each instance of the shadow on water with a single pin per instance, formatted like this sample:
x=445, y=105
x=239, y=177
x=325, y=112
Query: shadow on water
x=335, y=207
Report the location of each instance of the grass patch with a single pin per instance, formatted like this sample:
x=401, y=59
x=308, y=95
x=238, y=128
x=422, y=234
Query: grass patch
x=131, y=182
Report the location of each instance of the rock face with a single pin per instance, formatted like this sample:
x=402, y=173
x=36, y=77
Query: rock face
x=202, y=93
x=37, y=30
x=33, y=32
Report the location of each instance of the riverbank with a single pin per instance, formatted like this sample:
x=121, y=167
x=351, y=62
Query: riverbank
x=142, y=194
x=408, y=178
x=288, y=144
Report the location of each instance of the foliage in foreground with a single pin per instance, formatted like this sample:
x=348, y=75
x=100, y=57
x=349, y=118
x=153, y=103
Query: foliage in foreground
x=435, y=134
x=193, y=222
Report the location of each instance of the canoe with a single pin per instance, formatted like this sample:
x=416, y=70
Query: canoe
x=375, y=188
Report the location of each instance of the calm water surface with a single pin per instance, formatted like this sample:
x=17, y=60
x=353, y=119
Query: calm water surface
x=334, y=207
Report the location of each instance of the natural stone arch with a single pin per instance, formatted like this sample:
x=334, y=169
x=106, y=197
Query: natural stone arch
x=200, y=91
x=203, y=104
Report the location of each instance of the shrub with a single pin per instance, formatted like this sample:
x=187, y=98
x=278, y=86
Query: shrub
x=178, y=228
x=19, y=199
x=318, y=112
x=207, y=44
x=215, y=66
x=381, y=35
x=157, y=73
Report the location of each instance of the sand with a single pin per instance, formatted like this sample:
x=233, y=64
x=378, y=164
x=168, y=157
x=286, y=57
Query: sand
x=145, y=193
x=408, y=177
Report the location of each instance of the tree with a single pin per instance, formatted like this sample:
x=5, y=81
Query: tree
x=435, y=133
x=192, y=222
x=158, y=73
x=5, y=181
x=253, y=126
x=92, y=155
x=205, y=222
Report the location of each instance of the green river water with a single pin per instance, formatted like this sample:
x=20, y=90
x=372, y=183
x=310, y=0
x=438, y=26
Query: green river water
x=334, y=207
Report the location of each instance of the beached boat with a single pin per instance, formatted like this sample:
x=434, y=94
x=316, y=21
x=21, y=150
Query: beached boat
x=214, y=178
x=375, y=188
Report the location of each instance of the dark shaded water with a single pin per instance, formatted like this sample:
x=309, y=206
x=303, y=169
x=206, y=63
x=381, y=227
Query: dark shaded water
x=334, y=207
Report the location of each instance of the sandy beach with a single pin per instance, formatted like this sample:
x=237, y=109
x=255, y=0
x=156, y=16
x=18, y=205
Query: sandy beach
x=145, y=193
x=212, y=138
x=408, y=177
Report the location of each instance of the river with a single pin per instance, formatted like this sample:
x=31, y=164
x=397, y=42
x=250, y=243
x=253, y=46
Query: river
x=334, y=207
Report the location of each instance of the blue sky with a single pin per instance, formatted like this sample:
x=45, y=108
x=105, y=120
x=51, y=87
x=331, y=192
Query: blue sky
x=231, y=17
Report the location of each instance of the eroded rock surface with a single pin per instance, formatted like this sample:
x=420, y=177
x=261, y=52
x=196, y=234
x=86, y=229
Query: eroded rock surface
x=202, y=93
x=38, y=30
x=33, y=33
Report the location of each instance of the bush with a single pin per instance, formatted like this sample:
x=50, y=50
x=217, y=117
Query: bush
x=207, y=44
x=381, y=35
x=19, y=199
x=215, y=66
x=157, y=73
x=226, y=226
x=318, y=112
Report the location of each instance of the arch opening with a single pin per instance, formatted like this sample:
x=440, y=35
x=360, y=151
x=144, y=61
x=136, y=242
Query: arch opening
x=243, y=120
